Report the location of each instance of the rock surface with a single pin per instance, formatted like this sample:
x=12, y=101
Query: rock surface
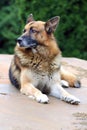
x=18, y=112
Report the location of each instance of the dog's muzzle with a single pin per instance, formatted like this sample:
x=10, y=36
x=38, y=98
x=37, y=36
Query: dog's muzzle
x=27, y=42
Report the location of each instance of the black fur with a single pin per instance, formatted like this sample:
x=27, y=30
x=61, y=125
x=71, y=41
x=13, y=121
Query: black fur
x=27, y=42
x=13, y=80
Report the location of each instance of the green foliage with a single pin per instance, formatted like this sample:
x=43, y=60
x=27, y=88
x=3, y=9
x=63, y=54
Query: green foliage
x=71, y=32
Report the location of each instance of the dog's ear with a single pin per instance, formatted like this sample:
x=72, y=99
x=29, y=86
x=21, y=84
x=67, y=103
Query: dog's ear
x=30, y=18
x=51, y=24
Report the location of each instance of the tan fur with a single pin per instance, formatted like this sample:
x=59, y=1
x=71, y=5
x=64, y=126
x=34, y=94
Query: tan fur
x=68, y=76
x=38, y=70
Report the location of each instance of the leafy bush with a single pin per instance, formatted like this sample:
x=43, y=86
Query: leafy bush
x=71, y=32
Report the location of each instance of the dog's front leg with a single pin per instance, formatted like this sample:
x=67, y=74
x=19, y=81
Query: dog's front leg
x=28, y=89
x=59, y=92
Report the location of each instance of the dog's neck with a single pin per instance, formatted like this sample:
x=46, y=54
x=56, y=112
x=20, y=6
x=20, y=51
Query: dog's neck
x=47, y=50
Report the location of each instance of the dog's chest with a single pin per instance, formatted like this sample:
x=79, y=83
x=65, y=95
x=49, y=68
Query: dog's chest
x=39, y=65
x=41, y=81
x=44, y=65
x=41, y=72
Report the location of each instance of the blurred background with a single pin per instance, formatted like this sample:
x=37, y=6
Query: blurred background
x=71, y=33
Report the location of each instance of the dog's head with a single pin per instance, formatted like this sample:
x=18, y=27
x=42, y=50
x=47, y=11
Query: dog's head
x=37, y=32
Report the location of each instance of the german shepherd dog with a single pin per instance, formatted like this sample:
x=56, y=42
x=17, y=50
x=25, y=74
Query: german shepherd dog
x=36, y=66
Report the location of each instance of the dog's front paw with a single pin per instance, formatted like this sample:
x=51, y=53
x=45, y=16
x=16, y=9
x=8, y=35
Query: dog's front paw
x=71, y=99
x=42, y=98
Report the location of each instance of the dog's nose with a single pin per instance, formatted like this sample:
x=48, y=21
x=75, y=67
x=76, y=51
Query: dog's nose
x=19, y=40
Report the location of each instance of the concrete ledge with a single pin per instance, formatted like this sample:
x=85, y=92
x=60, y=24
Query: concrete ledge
x=18, y=112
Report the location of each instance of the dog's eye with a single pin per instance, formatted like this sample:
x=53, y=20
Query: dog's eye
x=24, y=30
x=33, y=30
